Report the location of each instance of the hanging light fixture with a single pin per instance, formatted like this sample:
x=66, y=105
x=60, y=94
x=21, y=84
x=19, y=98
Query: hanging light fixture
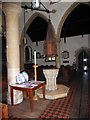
x=39, y=6
x=50, y=47
x=35, y=3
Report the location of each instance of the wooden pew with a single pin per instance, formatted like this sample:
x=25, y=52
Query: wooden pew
x=3, y=111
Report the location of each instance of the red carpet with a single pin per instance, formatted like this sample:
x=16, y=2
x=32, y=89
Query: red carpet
x=60, y=108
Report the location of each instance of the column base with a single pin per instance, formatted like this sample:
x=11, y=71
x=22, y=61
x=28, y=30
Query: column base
x=61, y=91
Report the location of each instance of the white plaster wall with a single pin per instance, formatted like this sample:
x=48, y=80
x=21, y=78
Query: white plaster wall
x=29, y=42
x=28, y=14
x=72, y=44
x=55, y=18
x=61, y=9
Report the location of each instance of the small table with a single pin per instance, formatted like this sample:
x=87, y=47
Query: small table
x=29, y=87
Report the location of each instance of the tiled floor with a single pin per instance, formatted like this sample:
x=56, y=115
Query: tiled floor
x=76, y=104
x=79, y=107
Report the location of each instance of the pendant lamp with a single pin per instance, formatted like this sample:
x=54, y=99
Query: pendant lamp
x=50, y=47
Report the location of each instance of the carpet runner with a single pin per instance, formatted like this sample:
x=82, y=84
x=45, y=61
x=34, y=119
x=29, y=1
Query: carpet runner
x=60, y=108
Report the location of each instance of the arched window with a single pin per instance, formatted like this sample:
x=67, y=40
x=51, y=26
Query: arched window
x=27, y=54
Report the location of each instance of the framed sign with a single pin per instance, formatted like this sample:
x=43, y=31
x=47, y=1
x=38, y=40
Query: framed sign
x=65, y=54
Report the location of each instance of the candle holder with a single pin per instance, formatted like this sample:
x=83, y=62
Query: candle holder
x=35, y=77
x=35, y=72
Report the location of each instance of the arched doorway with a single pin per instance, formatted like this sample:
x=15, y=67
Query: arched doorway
x=83, y=61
